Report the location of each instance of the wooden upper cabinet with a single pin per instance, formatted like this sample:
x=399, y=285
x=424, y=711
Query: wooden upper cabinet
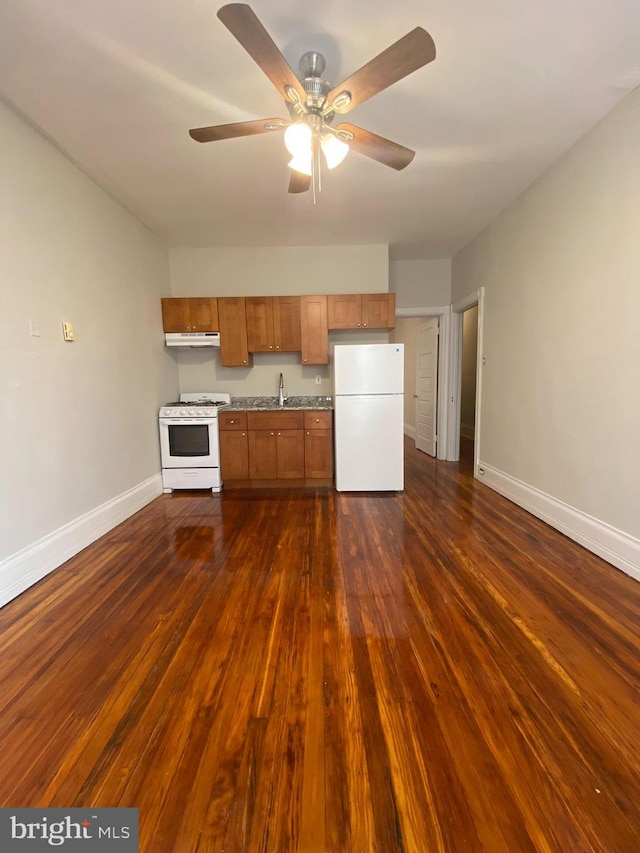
x=190, y=314
x=362, y=311
x=379, y=310
x=344, y=311
x=286, y=323
x=273, y=323
x=234, y=349
x=314, y=329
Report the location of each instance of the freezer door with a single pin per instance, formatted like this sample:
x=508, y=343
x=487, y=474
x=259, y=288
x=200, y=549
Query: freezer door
x=368, y=369
x=369, y=439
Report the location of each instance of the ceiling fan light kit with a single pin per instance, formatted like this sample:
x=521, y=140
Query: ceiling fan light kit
x=312, y=103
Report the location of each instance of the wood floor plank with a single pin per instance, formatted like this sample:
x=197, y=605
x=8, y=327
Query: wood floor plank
x=305, y=671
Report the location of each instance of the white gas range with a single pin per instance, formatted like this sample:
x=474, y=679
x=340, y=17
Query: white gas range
x=189, y=446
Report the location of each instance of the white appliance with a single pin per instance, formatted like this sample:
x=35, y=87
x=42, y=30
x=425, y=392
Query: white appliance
x=369, y=417
x=192, y=339
x=189, y=446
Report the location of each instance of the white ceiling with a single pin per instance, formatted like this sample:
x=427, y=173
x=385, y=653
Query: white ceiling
x=116, y=84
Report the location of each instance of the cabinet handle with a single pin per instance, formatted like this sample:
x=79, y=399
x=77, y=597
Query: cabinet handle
x=244, y=433
x=244, y=360
x=270, y=346
x=305, y=360
x=279, y=433
x=317, y=420
x=308, y=433
x=357, y=324
x=364, y=324
x=277, y=346
x=232, y=421
x=273, y=433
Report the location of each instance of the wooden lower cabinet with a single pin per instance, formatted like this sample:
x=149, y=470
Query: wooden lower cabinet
x=318, y=445
x=276, y=454
x=276, y=448
x=234, y=446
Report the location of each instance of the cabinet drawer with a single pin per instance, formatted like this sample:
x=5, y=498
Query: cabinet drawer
x=232, y=420
x=275, y=420
x=318, y=420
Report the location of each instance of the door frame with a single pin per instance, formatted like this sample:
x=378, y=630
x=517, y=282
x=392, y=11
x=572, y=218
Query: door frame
x=454, y=399
x=444, y=372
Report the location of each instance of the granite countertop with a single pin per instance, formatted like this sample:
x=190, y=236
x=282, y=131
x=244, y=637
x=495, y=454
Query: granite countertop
x=267, y=404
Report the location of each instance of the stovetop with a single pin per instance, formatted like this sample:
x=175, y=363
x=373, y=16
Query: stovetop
x=194, y=405
x=184, y=403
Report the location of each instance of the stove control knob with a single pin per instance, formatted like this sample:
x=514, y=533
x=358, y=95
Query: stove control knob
x=184, y=411
x=200, y=412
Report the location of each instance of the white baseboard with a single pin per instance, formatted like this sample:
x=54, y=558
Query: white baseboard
x=26, y=567
x=410, y=431
x=616, y=547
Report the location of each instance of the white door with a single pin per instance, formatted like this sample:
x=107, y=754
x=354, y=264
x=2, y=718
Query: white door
x=427, y=386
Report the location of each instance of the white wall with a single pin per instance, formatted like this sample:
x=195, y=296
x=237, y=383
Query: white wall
x=277, y=271
x=420, y=283
x=560, y=401
x=78, y=420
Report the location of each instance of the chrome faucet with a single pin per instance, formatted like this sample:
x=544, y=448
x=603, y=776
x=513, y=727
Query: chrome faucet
x=281, y=398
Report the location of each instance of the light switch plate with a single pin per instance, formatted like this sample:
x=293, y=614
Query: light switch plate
x=67, y=332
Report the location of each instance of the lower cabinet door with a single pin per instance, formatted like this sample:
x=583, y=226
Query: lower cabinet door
x=318, y=454
x=234, y=455
x=290, y=454
x=263, y=458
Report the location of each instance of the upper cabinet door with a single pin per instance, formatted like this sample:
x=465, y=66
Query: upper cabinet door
x=315, y=333
x=234, y=351
x=379, y=310
x=259, y=311
x=204, y=314
x=175, y=315
x=344, y=311
x=286, y=324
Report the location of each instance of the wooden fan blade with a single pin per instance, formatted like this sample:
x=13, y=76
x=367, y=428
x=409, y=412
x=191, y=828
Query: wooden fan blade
x=299, y=183
x=242, y=22
x=377, y=147
x=401, y=59
x=238, y=128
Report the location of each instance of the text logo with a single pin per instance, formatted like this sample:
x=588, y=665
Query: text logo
x=73, y=830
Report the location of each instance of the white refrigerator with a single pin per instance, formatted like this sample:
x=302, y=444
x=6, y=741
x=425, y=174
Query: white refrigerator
x=368, y=388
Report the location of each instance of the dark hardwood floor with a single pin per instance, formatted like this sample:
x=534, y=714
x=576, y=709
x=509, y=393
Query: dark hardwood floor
x=296, y=670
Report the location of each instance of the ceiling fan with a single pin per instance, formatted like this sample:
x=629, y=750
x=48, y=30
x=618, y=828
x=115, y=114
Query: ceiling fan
x=313, y=103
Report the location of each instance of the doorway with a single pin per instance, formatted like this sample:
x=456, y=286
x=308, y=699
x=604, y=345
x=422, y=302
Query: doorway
x=468, y=370
x=454, y=396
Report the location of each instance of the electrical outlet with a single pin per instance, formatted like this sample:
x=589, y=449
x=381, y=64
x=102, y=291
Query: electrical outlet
x=67, y=332
x=318, y=380
x=34, y=328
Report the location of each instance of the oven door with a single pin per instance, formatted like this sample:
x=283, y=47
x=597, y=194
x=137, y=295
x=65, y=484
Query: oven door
x=189, y=443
